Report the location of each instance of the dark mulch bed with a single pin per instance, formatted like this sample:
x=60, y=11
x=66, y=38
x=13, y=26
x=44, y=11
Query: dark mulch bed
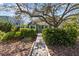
x=15, y=48
x=64, y=51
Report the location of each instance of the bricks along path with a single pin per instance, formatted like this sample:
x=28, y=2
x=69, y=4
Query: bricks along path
x=39, y=48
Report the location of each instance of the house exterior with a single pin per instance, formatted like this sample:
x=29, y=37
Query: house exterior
x=38, y=25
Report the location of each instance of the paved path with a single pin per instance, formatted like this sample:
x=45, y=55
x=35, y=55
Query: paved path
x=39, y=48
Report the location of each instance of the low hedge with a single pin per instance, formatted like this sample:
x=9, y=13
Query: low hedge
x=26, y=32
x=17, y=34
x=7, y=36
x=58, y=36
x=22, y=33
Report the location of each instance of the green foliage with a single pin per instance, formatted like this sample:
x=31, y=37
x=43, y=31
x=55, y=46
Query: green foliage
x=72, y=33
x=72, y=25
x=26, y=32
x=18, y=34
x=60, y=36
x=5, y=26
x=23, y=25
x=8, y=36
x=8, y=32
x=14, y=28
x=1, y=35
x=47, y=35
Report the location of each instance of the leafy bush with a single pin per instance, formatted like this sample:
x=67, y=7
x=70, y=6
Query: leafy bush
x=60, y=36
x=14, y=28
x=18, y=34
x=26, y=32
x=72, y=33
x=23, y=32
x=5, y=26
x=1, y=35
x=8, y=36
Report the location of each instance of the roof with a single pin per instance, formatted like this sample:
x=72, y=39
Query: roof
x=38, y=21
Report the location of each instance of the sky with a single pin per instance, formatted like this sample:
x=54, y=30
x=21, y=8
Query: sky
x=8, y=12
x=4, y=11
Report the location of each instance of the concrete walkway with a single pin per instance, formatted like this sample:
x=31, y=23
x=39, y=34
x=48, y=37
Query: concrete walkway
x=39, y=47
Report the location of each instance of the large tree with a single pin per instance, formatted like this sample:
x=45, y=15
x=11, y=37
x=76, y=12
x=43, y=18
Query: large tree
x=52, y=13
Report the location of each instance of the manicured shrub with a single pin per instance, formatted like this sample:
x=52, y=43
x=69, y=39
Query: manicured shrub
x=18, y=34
x=33, y=32
x=47, y=35
x=72, y=33
x=1, y=35
x=26, y=32
x=60, y=36
x=5, y=26
x=22, y=33
x=8, y=36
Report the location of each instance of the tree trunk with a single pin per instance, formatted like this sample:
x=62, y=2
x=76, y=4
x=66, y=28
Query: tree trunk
x=55, y=26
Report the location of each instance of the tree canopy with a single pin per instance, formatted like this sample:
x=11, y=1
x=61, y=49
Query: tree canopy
x=51, y=13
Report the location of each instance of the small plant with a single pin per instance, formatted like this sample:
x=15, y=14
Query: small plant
x=17, y=34
x=1, y=35
x=5, y=26
x=8, y=36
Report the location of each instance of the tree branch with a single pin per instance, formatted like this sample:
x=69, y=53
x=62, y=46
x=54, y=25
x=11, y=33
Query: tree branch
x=61, y=18
x=33, y=15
